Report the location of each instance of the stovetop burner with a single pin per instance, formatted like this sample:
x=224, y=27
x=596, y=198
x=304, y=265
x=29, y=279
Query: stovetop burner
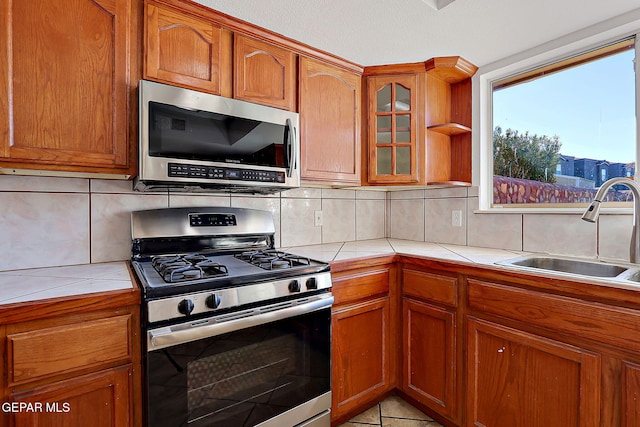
x=272, y=259
x=178, y=268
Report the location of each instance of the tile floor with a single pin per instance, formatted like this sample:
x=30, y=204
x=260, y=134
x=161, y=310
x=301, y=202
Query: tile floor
x=392, y=412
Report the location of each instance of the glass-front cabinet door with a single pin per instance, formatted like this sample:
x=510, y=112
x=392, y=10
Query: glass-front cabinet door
x=393, y=135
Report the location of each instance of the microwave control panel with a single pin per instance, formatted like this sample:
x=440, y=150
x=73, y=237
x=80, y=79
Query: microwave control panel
x=180, y=170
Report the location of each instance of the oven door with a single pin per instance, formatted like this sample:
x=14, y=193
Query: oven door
x=268, y=366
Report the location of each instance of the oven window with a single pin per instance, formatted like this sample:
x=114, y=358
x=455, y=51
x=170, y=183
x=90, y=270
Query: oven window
x=241, y=378
x=199, y=135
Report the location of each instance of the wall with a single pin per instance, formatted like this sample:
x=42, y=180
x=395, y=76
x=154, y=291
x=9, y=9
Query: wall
x=65, y=221
x=425, y=215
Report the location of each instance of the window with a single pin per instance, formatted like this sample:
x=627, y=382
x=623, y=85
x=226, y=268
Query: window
x=560, y=130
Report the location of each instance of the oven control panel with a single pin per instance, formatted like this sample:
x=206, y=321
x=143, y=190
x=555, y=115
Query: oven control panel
x=198, y=303
x=212, y=220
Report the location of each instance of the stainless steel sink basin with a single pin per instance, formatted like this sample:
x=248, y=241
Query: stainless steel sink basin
x=574, y=266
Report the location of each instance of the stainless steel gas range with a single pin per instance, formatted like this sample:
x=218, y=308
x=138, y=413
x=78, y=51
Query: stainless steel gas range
x=236, y=332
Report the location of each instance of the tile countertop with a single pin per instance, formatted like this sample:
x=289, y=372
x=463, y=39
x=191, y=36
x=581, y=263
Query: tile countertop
x=41, y=283
x=350, y=250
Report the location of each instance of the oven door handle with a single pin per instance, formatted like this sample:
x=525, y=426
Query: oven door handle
x=196, y=330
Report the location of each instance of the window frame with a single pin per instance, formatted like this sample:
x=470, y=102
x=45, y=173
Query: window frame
x=562, y=49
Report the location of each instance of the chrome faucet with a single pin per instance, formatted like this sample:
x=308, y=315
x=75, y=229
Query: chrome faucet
x=592, y=212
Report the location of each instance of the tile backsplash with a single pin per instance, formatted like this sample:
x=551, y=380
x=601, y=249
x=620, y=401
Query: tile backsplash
x=64, y=221
x=425, y=215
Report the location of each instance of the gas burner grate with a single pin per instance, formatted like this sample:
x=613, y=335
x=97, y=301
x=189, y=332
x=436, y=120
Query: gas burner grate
x=272, y=259
x=179, y=268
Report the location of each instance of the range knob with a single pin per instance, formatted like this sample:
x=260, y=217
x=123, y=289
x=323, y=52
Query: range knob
x=186, y=307
x=312, y=283
x=294, y=286
x=213, y=301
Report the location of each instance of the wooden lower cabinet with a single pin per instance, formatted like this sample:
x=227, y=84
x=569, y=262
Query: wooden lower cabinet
x=72, y=363
x=630, y=395
x=517, y=379
x=476, y=348
x=429, y=355
x=364, y=339
x=101, y=399
x=360, y=347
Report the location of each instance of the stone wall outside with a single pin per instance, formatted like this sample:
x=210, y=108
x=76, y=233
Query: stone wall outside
x=515, y=190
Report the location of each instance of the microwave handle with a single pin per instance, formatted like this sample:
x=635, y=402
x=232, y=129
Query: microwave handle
x=290, y=148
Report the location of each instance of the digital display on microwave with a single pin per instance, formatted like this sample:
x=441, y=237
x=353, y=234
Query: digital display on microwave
x=199, y=135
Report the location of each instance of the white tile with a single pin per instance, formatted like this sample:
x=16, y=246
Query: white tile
x=370, y=219
x=43, y=229
x=338, y=220
x=439, y=193
x=330, y=193
x=426, y=249
x=493, y=230
x=326, y=252
x=302, y=193
x=297, y=227
x=407, y=219
x=113, y=186
x=438, y=225
x=108, y=270
x=482, y=255
x=371, y=195
x=195, y=200
x=15, y=285
x=262, y=203
x=77, y=288
x=111, y=223
x=406, y=194
x=559, y=234
x=614, y=236
x=43, y=184
x=375, y=245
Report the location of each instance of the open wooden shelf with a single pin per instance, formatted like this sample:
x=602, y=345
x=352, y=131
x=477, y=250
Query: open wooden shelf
x=450, y=129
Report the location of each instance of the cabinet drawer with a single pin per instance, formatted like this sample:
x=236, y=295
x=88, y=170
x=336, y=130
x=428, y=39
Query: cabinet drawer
x=62, y=349
x=431, y=287
x=361, y=285
x=599, y=322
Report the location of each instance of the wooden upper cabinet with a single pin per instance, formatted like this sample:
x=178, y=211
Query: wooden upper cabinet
x=65, y=75
x=330, y=123
x=264, y=73
x=186, y=50
x=394, y=136
x=419, y=122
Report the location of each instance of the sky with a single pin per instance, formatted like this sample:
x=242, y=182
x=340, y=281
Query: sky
x=591, y=108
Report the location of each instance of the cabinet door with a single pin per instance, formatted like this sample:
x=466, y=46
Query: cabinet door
x=360, y=368
x=630, y=394
x=517, y=379
x=188, y=51
x=264, y=73
x=64, y=84
x=98, y=400
x=393, y=129
x=429, y=352
x=330, y=123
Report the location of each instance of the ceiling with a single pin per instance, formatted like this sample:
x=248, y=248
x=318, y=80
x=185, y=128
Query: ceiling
x=375, y=32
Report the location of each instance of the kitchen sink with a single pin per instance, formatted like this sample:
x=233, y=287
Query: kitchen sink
x=574, y=266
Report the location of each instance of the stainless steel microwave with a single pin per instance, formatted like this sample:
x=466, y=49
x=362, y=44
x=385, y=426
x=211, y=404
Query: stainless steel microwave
x=195, y=141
